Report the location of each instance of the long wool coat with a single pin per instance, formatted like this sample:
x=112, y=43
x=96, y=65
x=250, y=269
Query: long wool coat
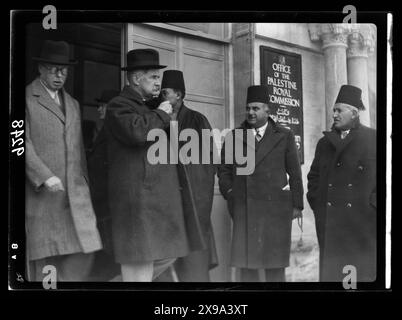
x=342, y=193
x=97, y=171
x=201, y=177
x=63, y=222
x=104, y=267
x=145, y=200
x=260, y=208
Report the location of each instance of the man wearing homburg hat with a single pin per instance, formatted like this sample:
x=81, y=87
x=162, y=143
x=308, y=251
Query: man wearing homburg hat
x=342, y=192
x=60, y=222
x=91, y=129
x=263, y=204
x=149, y=228
x=194, y=267
x=104, y=266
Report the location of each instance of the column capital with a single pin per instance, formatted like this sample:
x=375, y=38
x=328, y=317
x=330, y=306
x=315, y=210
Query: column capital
x=361, y=40
x=331, y=34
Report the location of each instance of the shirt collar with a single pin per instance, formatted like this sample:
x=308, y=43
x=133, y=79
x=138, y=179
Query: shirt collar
x=261, y=130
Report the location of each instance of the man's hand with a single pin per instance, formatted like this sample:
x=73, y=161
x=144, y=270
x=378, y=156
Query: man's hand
x=297, y=213
x=166, y=106
x=54, y=184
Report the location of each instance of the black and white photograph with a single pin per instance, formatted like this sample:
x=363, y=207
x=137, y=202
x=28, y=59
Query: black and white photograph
x=183, y=155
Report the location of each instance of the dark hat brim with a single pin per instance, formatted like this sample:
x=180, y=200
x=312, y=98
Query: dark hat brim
x=63, y=63
x=145, y=67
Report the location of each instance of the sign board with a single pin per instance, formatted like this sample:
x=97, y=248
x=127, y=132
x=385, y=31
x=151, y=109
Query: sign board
x=281, y=71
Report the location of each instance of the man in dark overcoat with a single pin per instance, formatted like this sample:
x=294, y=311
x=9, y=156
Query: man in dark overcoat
x=104, y=266
x=342, y=192
x=195, y=266
x=149, y=229
x=91, y=129
x=60, y=222
x=263, y=204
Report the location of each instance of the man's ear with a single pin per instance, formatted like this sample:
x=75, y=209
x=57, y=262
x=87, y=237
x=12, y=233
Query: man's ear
x=39, y=66
x=135, y=78
x=179, y=94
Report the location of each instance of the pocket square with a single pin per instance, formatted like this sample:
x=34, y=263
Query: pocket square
x=286, y=188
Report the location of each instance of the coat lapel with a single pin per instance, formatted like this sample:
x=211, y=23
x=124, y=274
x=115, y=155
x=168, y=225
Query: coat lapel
x=68, y=107
x=46, y=101
x=271, y=138
x=100, y=138
x=133, y=95
x=181, y=117
x=339, y=144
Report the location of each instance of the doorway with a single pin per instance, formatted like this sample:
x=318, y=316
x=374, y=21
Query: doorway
x=97, y=49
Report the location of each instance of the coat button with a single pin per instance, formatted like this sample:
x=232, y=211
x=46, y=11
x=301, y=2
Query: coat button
x=360, y=168
x=338, y=164
x=329, y=184
x=349, y=205
x=350, y=185
x=329, y=204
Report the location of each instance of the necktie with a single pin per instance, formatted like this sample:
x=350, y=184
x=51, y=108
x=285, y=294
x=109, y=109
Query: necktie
x=257, y=135
x=59, y=104
x=56, y=99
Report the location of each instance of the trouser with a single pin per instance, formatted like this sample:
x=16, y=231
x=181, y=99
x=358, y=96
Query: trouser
x=69, y=267
x=271, y=275
x=144, y=271
x=191, y=268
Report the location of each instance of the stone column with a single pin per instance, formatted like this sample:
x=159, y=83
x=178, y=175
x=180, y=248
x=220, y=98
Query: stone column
x=361, y=43
x=334, y=44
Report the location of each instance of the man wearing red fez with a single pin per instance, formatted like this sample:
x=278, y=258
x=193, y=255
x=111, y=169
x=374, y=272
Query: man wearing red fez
x=263, y=204
x=342, y=193
x=195, y=266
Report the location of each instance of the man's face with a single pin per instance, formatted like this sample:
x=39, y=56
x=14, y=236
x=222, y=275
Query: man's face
x=54, y=76
x=343, y=116
x=150, y=83
x=170, y=95
x=257, y=114
x=102, y=110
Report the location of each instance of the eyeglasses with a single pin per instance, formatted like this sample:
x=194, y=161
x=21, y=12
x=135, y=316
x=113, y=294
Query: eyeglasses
x=55, y=70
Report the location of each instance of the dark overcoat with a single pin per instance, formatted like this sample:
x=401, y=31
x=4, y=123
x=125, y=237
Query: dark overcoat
x=342, y=193
x=261, y=210
x=145, y=199
x=57, y=223
x=98, y=171
x=104, y=266
x=201, y=177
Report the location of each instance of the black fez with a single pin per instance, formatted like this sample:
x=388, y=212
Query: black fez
x=350, y=95
x=55, y=52
x=107, y=95
x=173, y=79
x=257, y=94
x=142, y=59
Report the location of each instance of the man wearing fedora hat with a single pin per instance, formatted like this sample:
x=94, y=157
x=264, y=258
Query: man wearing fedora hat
x=263, y=204
x=201, y=177
x=60, y=221
x=149, y=228
x=342, y=192
x=91, y=129
x=104, y=266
